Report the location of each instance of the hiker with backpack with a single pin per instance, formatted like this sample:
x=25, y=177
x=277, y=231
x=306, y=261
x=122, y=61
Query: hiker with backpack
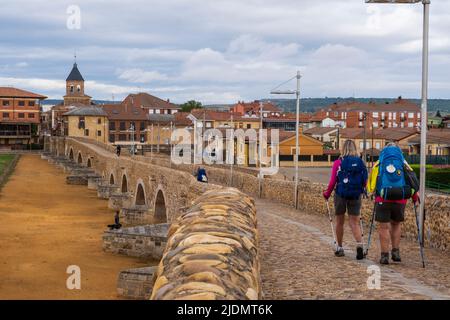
x=393, y=182
x=349, y=176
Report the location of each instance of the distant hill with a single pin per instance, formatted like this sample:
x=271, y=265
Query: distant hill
x=54, y=102
x=313, y=104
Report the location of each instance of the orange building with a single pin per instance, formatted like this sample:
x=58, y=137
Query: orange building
x=19, y=117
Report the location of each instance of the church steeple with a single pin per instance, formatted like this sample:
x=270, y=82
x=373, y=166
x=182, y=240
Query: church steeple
x=75, y=88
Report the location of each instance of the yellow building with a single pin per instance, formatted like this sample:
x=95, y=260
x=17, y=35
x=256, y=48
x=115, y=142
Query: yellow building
x=438, y=143
x=88, y=122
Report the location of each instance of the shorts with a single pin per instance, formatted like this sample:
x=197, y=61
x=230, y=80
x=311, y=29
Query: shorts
x=341, y=205
x=389, y=211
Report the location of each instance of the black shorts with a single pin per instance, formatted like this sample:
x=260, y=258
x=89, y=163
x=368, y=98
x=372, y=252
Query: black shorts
x=341, y=205
x=389, y=211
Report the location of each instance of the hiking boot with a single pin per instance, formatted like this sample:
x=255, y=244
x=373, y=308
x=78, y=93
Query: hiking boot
x=359, y=253
x=339, y=252
x=384, y=258
x=395, y=254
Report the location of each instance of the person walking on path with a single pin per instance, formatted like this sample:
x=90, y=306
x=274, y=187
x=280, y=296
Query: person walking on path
x=118, y=149
x=393, y=182
x=117, y=225
x=349, y=176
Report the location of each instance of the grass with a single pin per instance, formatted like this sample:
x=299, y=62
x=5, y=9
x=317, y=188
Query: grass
x=5, y=159
x=435, y=175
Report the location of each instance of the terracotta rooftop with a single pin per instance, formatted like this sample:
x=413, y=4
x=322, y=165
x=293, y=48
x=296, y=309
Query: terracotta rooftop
x=390, y=134
x=10, y=92
x=319, y=130
x=398, y=105
x=146, y=100
x=434, y=136
x=124, y=112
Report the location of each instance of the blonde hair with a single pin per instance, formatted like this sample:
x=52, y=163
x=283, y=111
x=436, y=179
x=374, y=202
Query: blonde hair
x=349, y=149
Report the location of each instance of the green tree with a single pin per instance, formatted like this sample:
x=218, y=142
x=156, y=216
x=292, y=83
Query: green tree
x=191, y=104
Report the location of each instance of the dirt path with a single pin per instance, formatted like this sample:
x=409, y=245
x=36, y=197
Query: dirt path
x=47, y=225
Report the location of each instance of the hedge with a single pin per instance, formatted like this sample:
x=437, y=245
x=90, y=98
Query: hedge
x=434, y=175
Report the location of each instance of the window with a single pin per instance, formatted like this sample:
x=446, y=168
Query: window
x=122, y=137
x=157, y=111
x=99, y=133
x=21, y=103
x=360, y=124
x=112, y=126
x=411, y=124
x=86, y=132
x=383, y=116
x=249, y=125
x=71, y=89
x=165, y=112
x=112, y=138
x=5, y=103
x=378, y=145
x=151, y=111
x=31, y=103
x=31, y=115
x=390, y=115
x=375, y=114
x=208, y=125
x=99, y=121
x=361, y=145
x=21, y=115
x=5, y=115
x=122, y=126
x=394, y=116
x=78, y=88
x=375, y=124
x=142, y=126
x=142, y=138
x=336, y=114
x=411, y=115
x=81, y=123
x=418, y=115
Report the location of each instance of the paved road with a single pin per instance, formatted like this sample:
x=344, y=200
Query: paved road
x=321, y=175
x=297, y=262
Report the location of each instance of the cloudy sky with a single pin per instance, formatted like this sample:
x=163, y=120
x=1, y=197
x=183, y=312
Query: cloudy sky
x=220, y=51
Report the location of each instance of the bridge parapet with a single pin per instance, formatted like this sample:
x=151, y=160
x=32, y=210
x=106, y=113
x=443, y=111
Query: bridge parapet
x=212, y=251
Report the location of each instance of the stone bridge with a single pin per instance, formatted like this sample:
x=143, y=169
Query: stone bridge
x=294, y=248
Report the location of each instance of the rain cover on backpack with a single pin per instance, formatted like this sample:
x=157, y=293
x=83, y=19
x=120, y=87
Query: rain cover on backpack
x=351, y=177
x=391, y=183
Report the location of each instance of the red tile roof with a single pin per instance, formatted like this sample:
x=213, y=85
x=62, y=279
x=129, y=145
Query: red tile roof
x=124, y=112
x=146, y=100
x=10, y=92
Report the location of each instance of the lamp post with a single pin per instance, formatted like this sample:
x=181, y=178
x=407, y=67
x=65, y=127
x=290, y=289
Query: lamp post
x=424, y=107
x=297, y=120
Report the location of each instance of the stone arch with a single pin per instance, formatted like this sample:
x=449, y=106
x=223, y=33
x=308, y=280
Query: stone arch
x=89, y=163
x=112, y=179
x=124, y=185
x=140, y=195
x=80, y=158
x=71, y=155
x=160, y=212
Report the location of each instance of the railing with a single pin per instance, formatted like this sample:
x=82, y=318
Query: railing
x=440, y=187
x=15, y=133
x=440, y=160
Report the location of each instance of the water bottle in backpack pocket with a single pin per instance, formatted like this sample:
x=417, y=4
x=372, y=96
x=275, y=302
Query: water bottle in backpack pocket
x=391, y=183
x=351, y=178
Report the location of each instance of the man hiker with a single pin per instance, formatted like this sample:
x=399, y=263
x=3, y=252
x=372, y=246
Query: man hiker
x=117, y=224
x=393, y=182
x=349, y=176
x=118, y=148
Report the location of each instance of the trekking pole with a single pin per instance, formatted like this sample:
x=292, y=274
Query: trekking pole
x=419, y=237
x=332, y=226
x=370, y=230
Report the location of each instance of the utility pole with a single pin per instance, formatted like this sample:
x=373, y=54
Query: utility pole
x=232, y=153
x=260, y=148
x=364, y=137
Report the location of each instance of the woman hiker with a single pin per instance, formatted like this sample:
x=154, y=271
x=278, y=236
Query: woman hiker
x=349, y=176
x=393, y=182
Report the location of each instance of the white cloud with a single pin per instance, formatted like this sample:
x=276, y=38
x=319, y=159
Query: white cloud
x=137, y=75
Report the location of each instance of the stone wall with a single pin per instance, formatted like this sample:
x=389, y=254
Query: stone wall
x=146, y=241
x=136, y=283
x=212, y=251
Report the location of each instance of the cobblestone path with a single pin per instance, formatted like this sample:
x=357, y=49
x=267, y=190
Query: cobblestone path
x=297, y=262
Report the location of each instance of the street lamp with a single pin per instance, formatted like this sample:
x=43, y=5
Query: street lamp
x=424, y=107
x=297, y=120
